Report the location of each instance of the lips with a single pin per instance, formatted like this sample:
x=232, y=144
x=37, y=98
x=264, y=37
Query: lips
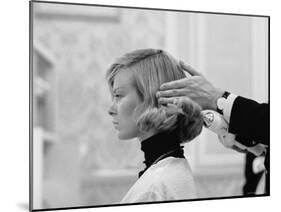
x=115, y=124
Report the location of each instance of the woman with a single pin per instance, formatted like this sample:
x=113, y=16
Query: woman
x=134, y=80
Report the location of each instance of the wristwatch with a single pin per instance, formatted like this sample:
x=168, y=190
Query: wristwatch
x=221, y=101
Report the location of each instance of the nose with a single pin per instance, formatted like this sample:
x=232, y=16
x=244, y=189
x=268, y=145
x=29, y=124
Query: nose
x=112, y=109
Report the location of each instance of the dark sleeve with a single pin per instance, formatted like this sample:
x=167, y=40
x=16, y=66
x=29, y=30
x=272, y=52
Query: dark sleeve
x=250, y=119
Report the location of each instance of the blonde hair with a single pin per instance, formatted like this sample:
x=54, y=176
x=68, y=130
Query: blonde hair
x=152, y=68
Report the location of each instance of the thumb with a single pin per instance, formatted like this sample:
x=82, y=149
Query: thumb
x=189, y=69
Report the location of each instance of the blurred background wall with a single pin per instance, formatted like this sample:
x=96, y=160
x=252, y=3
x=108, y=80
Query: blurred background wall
x=77, y=157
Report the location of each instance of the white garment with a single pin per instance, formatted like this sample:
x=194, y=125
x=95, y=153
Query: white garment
x=169, y=179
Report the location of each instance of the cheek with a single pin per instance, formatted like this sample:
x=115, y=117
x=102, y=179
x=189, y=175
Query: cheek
x=127, y=108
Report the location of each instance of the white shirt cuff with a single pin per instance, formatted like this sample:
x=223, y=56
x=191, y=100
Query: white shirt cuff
x=227, y=107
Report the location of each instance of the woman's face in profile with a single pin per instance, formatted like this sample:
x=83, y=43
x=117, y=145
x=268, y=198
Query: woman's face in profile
x=125, y=100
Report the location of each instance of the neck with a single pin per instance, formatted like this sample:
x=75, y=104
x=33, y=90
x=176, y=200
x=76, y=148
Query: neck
x=160, y=145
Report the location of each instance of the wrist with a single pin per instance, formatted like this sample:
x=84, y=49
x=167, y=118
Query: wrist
x=217, y=94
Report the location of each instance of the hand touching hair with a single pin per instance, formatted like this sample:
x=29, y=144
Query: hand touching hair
x=151, y=68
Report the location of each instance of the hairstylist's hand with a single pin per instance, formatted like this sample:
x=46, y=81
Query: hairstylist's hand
x=228, y=140
x=196, y=87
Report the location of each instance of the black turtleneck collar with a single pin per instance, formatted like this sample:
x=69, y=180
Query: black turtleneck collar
x=160, y=146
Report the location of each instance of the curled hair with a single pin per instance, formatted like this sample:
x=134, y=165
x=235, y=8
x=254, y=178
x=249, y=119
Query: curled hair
x=151, y=68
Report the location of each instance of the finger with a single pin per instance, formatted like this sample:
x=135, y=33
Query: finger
x=174, y=84
x=166, y=101
x=237, y=149
x=227, y=140
x=171, y=109
x=229, y=144
x=189, y=69
x=171, y=93
x=257, y=150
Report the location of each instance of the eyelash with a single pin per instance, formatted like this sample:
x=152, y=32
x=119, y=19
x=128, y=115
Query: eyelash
x=117, y=96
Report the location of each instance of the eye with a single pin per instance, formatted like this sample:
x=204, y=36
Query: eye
x=117, y=96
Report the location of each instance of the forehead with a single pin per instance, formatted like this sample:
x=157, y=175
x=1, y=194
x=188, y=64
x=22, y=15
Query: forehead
x=124, y=78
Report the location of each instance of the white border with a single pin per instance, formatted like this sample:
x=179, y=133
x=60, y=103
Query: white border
x=259, y=64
